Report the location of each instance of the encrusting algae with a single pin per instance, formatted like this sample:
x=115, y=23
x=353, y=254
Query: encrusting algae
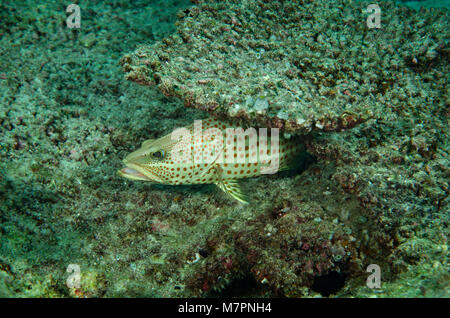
x=211, y=151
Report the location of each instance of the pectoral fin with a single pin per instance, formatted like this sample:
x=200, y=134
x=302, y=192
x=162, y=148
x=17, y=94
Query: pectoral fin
x=233, y=189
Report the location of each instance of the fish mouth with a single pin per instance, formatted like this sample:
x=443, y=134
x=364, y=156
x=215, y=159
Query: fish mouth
x=134, y=172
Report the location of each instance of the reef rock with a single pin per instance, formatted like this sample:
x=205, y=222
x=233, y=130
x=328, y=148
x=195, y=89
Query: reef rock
x=296, y=65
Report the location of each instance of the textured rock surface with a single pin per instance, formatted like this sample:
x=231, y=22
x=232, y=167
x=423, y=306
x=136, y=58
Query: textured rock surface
x=300, y=65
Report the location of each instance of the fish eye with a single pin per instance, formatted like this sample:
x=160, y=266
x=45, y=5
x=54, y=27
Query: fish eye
x=158, y=154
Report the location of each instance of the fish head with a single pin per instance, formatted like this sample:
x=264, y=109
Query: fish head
x=148, y=163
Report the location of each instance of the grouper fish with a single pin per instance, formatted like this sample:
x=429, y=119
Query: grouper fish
x=212, y=151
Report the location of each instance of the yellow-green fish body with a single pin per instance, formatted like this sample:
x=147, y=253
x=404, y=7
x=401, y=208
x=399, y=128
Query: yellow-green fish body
x=211, y=151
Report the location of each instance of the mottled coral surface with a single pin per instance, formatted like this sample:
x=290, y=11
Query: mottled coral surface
x=298, y=65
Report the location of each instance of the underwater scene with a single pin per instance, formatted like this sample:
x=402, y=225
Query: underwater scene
x=224, y=148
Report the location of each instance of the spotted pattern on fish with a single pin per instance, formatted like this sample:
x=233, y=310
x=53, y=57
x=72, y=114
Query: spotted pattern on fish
x=201, y=155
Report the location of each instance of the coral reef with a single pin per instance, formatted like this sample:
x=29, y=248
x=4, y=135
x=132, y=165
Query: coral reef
x=373, y=194
x=301, y=66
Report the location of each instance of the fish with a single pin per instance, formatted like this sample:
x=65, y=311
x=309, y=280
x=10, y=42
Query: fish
x=212, y=151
